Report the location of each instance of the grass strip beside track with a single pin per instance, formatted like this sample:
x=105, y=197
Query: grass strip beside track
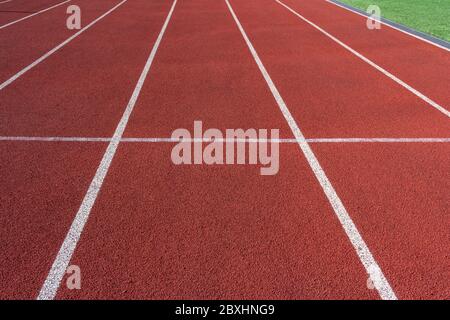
x=429, y=16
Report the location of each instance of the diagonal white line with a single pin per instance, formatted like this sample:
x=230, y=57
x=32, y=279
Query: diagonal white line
x=173, y=140
x=389, y=25
x=62, y=44
x=1, y=2
x=374, y=271
x=54, y=277
x=371, y=63
x=31, y=15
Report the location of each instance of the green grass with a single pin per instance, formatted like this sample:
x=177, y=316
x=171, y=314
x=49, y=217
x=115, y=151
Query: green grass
x=429, y=16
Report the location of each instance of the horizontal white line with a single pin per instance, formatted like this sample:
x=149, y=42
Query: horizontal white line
x=31, y=15
x=173, y=140
x=311, y=140
x=55, y=139
x=371, y=140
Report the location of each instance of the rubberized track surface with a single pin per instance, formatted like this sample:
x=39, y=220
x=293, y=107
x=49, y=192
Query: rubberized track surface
x=139, y=226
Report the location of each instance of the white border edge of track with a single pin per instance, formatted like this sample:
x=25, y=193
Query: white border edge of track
x=365, y=256
x=389, y=25
x=370, y=62
x=32, y=15
x=62, y=260
x=62, y=44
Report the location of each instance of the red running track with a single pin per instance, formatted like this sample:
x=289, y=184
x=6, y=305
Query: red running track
x=40, y=33
x=18, y=9
x=158, y=230
x=421, y=65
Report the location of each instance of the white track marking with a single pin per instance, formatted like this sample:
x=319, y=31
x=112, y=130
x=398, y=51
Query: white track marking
x=62, y=44
x=373, y=270
x=370, y=62
x=310, y=140
x=391, y=26
x=1, y=2
x=171, y=140
x=55, y=139
x=32, y=15
x=54, y=277
x=378, y=140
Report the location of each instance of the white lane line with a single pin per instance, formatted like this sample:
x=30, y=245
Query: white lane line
x=62, y=44
x=365, y=256
x=370, y=62
x=389, y=25
x=54, y=139
x=32, y=15
x=1, y=2
x=378, y=140
x=54, y=277
x=309, y=140
x=172, y=140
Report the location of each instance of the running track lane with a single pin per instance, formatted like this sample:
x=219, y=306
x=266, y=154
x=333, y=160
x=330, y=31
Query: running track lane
x=406, y=188
x=422, y=65
x=160, y=231
x=43, y=184
x=81, y=89
x=331, y=92
x=399, y=196
x=211, y=231
x=41, y=33
x=203, y=72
